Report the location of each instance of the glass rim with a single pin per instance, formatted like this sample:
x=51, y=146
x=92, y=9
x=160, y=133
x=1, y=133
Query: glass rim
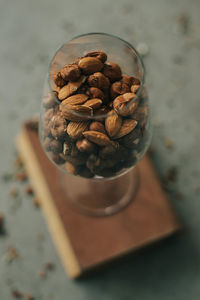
x=137, y=94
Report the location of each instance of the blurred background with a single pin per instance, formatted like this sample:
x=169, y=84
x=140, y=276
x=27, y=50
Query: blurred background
x=167, y=35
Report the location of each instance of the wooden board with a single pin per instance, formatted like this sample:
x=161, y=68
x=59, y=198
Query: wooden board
x=85, y=242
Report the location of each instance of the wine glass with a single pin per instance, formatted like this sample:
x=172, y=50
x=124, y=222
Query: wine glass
x=96, y=144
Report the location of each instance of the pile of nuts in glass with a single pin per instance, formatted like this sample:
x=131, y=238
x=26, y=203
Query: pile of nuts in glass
x=94, y=124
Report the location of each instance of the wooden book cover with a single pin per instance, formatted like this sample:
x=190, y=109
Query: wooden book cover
x=85, y=242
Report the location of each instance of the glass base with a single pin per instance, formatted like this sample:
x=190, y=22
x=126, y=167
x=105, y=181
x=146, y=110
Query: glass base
x=100, y=197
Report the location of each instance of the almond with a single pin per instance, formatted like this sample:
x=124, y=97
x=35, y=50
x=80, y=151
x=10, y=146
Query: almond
x=136, y=81
x=107, y=151
x=70, y=72
x=127, y=126
x=97, y=126
x=56, y=146
x=76, y=161
x=85, y=146
x=93, y=163
x=99, y=81
x=58, y=79
x=74, y=151
x=127, y=80
x=75, y=99
x=70, y=88
x=101, y=112
x=66, y=148
x=112, y=71
x=90, y=65
x=94, y=92
x=98, y=54
x=58, y=159
x=140, y=113
x=75, y=112
x=93, y=103
x=124, y=104
x=135, y=88
x=56, y=90
x=118, y=88
x=113, y=123
x=85, y=172
x=97, y=137
x=70, y=168
x=57, y=126
x=130, y=140
x=75, y=129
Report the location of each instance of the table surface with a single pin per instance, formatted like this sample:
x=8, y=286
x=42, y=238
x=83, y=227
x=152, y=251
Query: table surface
x=30, y=32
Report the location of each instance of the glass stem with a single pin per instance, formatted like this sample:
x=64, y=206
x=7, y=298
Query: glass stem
x=100, y=197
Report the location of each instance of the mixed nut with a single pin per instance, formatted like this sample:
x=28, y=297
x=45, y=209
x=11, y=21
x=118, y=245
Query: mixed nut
x=94, y=122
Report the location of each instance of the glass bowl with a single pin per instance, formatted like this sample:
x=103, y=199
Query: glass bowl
x=95, y=121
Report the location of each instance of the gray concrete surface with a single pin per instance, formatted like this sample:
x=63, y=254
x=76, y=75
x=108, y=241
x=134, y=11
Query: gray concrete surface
x=30, y=32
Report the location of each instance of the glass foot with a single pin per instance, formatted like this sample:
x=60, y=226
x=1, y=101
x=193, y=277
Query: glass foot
x=99, y=197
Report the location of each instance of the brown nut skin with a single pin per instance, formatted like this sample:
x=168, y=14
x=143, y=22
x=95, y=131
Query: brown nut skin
x=98, y=138
x=94, y=103
x=56, y=146
x=56, y=89
x=93, y=163
x=70, y=72
x=77, y=60
x=77, y=160
x=74, y=151
x=70, y=88
x=76, y=113
x=98, y=54
x=90, y=65
x=85, y=146
x=52, y=145
x=127, y=80
x=127, y=126
x=130, y=80
x=76, y=99
x=113, y=123
x=58, y=159
x=102, y=112
x=94, y=92
x=75, y=129
x=58, y=126
x=71, y=168
x=135, y=88
x=136, y=81
x=107, y=151
x=124, y=104
x=85, y=172
x=118, y=88
x=67, y=148
x=140, y=113
x=131, y=140
x=99, y=81
x=121, y=154
x=83, y=89
x=112, y=71
x=58, y=79
x=97, y=126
